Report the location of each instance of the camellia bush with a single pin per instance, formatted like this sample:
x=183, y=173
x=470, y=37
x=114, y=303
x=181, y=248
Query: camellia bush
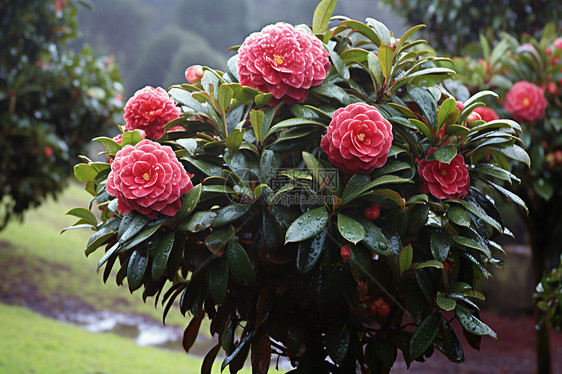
x=526, y=73
x=324, y=200
x=52, y=101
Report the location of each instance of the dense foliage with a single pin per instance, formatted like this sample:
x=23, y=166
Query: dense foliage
x=52, y=101
x=527, y=74
x=348, y=221
x=549, y=296
x=454, y=24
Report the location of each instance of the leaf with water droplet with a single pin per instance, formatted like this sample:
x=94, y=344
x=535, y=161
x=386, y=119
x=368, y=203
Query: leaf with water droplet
x=307, y=225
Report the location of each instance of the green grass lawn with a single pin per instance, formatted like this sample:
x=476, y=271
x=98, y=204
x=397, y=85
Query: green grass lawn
x=38, y=264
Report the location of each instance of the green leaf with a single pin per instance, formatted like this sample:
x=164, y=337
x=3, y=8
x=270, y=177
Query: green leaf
x=385, y=59
x=205, y=167
x=131, y=138
x=405, y=258
x=470, y=243
x=269, y=163
x=190, y=201
x=218, y=279
x=510, y=195
x=440, y=244
x=350, y=229
x=224, y=96
x=516, y=153
x=424, y=335
x=380, y=29
x=140, y=237
x=337, y=343
x=234, y=140
x=374, y=239
x=322, y=15
x=363, y=29
x=85, y=214
x=136, y=269
x=160, y=254
x=444, y=109
x=85, y=173
x=97, y=240
x=256, y=119
x=306, y=226
x=239, y=263
x=375, y=68
x=292, y=123
x=309, y=251
x=130, y=225
x=407, y=36
x=111, y=146
x=354, y=187
x=472, y=324
x=445, y=303
x=217, y=240
x=230, y=213
x=459, y=216
x=477, y=210
x=200, y=221
x=444, y=154
x=424, y=129
x=189, y=145
x=342, y=70
x=427, y=264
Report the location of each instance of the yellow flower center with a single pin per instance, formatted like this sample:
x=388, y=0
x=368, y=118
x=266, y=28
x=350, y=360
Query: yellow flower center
x=361, y=137
x=278, y=60
x=526, y=101
x=146, y=176
x=444, y=172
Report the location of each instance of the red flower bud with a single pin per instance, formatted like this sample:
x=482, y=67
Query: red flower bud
x=345, y=253
x=372, y=212
x=194, y=73
x=473, y=117
x=460, y=105
x=48, y=151
x=383, y=310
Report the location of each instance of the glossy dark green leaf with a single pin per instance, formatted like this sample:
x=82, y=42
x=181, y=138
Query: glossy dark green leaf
x=459, y=216
x=244, y=341
x=380, y=29
x=474, y=208
x=140, y=237
x=84, y=214
x=337, y=343
x=85, y=173
x=451, y=344
x=131, y=138
x=354, y=187
x=424, y=335
x=200, y=221
x=350, y=229
x=209, y=359
x=111, y=146
x=306, y=226
x=309, y=251
x=190, y=201
x=444, y=154
x=385, y=59
x=136, y=269
x=217, y=240
x=130, y=225
x=471, y=243
x=473, y=324
x=445, y=303
x=270, y=162
x=205, y=167
x=239, y=263
x=160, y=255
x=218, y=279
x=440, y=244
x=374, y=239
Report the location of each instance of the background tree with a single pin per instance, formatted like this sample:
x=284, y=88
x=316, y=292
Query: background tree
x=451, y=25
x=52, y=101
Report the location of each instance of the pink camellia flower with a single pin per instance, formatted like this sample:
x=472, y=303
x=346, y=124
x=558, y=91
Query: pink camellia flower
x=444, y=180
x=150, y=109
x=358, y=139
x=283, y=61
x=526, y=102
x=148, y=178
x=486, y=114
x=194, y=73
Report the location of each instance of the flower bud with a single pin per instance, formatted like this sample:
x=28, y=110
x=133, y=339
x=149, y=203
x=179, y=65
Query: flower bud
x=460, y=105
x=383, y=310
x=473, y=117
x=372, y=212
x=194, y=73
x=345, y=253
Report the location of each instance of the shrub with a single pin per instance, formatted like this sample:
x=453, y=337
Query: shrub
x=53, y=101
x=273, y=243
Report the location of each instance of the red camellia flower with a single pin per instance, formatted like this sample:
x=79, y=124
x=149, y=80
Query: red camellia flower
x=444, y=180
x=372, y=212
x=150, y=109
x=526, y=102
x=148, y=178
x=487, y=114
x=358, y=139
x=283, y=61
